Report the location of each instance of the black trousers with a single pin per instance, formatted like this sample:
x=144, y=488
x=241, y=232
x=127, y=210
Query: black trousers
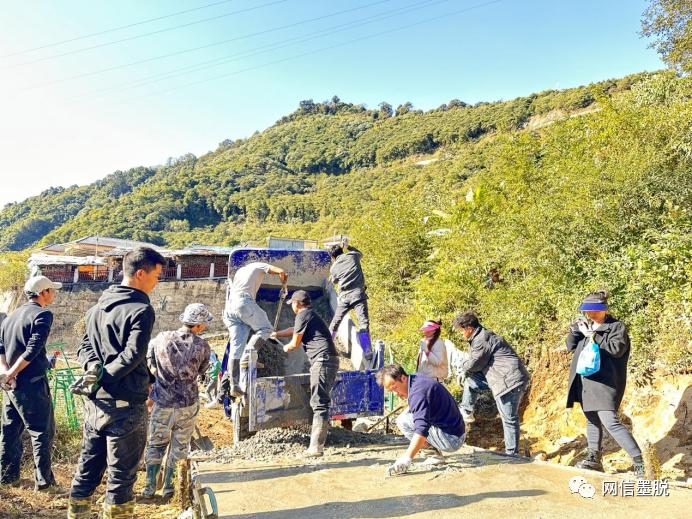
x=28, y=406
x=596, y=420
x=322, y=377
x=362, y=314
x=114, y=437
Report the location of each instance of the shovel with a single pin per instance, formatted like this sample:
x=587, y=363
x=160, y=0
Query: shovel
x=282, y=297
x=202, y=443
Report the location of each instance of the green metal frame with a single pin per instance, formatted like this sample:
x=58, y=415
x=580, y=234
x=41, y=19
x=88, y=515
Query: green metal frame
x=60, y=381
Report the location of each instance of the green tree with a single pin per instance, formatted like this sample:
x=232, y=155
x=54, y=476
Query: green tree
x=13, y=269
x=670, y=23
x=385, y=110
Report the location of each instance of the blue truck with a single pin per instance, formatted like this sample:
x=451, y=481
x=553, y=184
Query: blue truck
x=277, y=385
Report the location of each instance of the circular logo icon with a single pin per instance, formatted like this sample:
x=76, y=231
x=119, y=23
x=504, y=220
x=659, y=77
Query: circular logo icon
x=587, y=490
x=575, y=483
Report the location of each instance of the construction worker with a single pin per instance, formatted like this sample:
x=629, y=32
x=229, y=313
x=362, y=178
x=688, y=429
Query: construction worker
x=347, y=273
x=433, y=422
x=493, y=364
x=176, y=359
x=312, y=332
x=27, y=403
x=116, y=382
x=242, y=314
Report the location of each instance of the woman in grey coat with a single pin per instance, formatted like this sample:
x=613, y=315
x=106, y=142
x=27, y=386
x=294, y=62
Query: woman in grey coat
x=600, y=394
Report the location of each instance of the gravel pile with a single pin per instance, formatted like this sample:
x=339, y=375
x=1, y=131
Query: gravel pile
x=292, y=442
x=272, y=357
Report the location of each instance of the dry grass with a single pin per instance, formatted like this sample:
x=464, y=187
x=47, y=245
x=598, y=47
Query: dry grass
x=24, y=503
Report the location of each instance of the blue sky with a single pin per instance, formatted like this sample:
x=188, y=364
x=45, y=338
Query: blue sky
x=60, y=131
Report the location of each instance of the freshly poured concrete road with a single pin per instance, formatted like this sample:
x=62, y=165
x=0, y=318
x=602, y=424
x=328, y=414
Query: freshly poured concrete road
x=351, y=484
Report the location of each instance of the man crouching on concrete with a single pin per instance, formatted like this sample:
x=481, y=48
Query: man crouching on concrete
x=176, y=359
x=433, y=421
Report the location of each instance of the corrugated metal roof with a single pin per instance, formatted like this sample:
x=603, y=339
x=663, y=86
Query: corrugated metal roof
x=51, y=259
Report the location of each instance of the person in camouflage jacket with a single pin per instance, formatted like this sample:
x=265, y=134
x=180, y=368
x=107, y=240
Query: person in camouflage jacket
x=175, y=359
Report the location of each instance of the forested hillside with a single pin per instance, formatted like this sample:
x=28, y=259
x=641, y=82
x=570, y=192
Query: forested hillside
x=525, y=206
x=245, y=187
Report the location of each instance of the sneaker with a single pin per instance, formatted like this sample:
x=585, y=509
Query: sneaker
x=212, y=405
x=468, y=417
x=52, y=490
x=591, y=462
x=433, y=456
x=434, y=459
x=15, y=483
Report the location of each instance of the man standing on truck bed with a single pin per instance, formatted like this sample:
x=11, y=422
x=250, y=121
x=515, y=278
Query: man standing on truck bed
x=311, y=331
x=348, y=274
x=240, y=315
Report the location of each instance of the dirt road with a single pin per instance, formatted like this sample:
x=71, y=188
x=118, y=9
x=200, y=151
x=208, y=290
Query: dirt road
x=350, y=483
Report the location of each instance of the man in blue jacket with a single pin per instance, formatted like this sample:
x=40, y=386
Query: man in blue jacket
x=113, y=352
x=23, y=366
x=433, y=421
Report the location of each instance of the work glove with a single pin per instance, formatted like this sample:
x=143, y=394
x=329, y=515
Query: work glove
x=400, y=466
x=580, y=325
x=6, y=383
x=88, y=383
x=585, y=329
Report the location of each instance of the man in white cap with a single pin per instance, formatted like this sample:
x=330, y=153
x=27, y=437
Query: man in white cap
x=175, y=358
x=27, y=404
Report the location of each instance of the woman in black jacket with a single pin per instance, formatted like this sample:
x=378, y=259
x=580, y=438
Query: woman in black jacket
x=600, y=394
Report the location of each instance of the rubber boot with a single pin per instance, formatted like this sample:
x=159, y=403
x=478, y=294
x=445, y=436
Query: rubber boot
x=592, y=461
x=168, y=487
x=79, y=508
x=234, y=372
x=318, y=435
x=365, y=343
x=122, y=511
x=150, y=487
x=638, y=467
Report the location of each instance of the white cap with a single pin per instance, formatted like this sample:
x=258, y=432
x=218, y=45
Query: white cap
x=37, y=284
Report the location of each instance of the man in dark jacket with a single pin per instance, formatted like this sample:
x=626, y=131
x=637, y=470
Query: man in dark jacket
x=433, y=421
x=118, y=329
x=23, y=366
x=347, y=273
x=492, y=363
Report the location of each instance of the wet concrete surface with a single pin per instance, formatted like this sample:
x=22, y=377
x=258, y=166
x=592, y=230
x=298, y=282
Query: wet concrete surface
x=351, y=483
